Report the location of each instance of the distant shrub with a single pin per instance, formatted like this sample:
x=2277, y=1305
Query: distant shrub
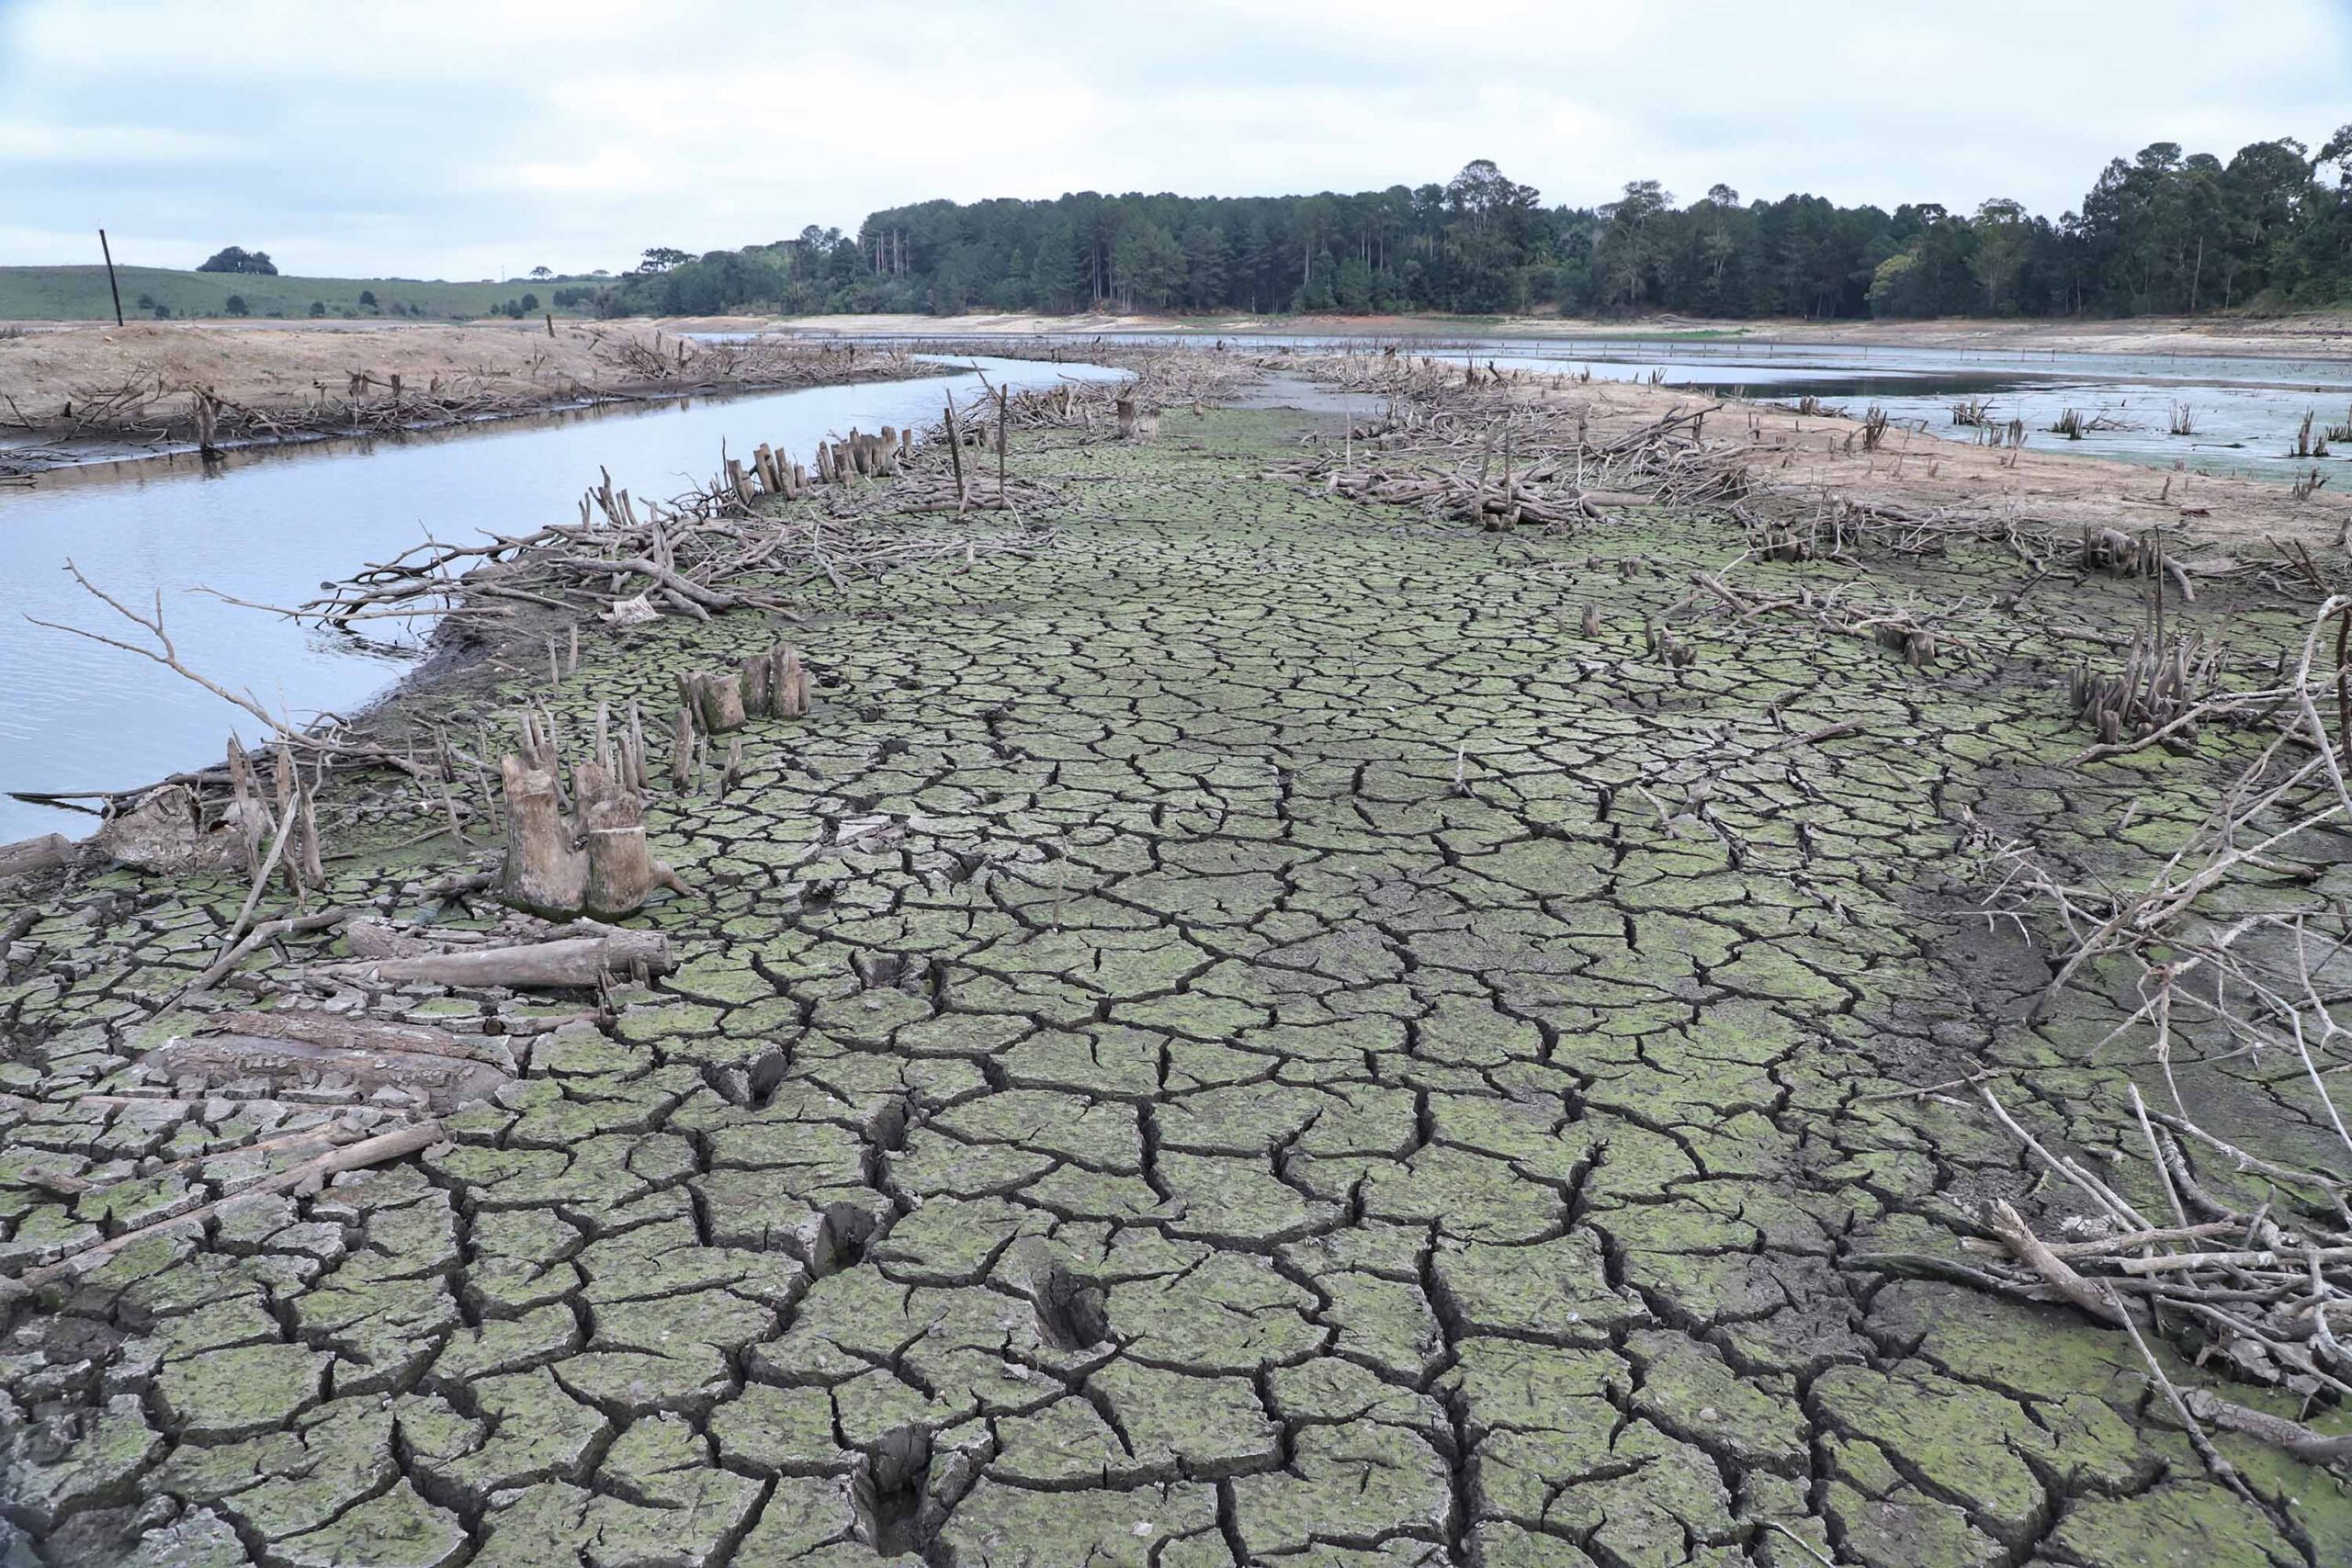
x=367, y=298
x=318, y=308
x=236, y=258
x=235, y=305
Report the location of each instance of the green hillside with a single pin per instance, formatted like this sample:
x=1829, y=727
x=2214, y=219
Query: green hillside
x=79, y=293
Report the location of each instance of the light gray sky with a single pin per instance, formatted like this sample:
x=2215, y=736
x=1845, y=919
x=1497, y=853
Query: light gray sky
x=440, y=138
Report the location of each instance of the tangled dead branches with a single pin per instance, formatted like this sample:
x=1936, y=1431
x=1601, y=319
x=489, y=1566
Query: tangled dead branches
x=2259, y=1287
x=1459, y=454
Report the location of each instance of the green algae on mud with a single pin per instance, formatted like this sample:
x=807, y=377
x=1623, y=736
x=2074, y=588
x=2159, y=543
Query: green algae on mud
x=1248, y=1037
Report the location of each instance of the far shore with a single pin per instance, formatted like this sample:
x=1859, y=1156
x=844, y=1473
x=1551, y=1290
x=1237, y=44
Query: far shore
x=2306, y=335
x=2318, y=335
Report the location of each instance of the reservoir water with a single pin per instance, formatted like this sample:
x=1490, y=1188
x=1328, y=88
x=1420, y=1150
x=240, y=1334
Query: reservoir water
x=272, y=525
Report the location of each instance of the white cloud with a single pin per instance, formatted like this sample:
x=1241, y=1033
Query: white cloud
x=446, y=138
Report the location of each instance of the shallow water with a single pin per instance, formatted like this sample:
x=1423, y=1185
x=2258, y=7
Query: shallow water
x=2244, y=411
x=2246, y=408
x=272, y=525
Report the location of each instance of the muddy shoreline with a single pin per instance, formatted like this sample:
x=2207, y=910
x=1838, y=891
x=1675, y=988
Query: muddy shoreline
x=101, y=454
x=86, y=395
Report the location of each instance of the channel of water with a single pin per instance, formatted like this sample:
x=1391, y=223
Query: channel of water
x=270, y=525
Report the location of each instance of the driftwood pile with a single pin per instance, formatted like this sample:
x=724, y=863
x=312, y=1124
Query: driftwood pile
x=2244, y=1260
x=628, y=559
x=340, y=1071
x=1486, y=459
x=1915, y=632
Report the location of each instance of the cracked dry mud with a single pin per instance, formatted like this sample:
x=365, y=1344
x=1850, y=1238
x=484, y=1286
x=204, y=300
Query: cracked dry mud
x=1123, y=1102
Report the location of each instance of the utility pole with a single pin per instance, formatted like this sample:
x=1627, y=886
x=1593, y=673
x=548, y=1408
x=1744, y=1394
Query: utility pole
x=108, y=251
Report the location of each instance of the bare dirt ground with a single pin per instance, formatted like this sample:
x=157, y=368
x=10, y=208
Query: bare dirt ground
x=1916, y=471
x=284, y=366
x=144, y=383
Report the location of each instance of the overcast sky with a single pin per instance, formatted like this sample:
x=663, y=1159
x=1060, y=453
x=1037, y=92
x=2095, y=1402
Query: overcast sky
x=455, y=140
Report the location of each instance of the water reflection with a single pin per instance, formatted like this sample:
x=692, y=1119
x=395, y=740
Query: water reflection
x=272, y=525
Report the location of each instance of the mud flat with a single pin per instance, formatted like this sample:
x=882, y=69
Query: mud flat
x=1411, y=995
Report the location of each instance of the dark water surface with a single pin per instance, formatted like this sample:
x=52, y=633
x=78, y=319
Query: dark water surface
x=272, y=525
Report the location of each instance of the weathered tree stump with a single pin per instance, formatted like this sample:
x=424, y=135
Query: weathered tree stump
x=165, y=833
x=543, y=872
x=718, y=700
x=622, y=872
x=788, y=683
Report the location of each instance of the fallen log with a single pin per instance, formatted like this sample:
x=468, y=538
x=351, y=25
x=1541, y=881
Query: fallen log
x=27, y=856
x=305, y=1177
x=336, y=1031
x=572, y=961
x=445, y=1082
x=381, y=939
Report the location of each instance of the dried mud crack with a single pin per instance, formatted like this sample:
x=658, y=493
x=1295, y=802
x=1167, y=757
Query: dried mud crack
x=1276, y=1030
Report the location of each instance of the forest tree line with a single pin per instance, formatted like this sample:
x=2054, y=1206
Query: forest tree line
x=2161, y=233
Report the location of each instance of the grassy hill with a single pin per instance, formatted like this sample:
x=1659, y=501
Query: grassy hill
x=79, y=294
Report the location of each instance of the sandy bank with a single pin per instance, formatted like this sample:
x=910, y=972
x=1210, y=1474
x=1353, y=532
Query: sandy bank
x=64, y=387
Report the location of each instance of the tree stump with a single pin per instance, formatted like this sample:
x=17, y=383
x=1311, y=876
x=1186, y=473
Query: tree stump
x=719, y=701
x=543, y=872
x=788, y=683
